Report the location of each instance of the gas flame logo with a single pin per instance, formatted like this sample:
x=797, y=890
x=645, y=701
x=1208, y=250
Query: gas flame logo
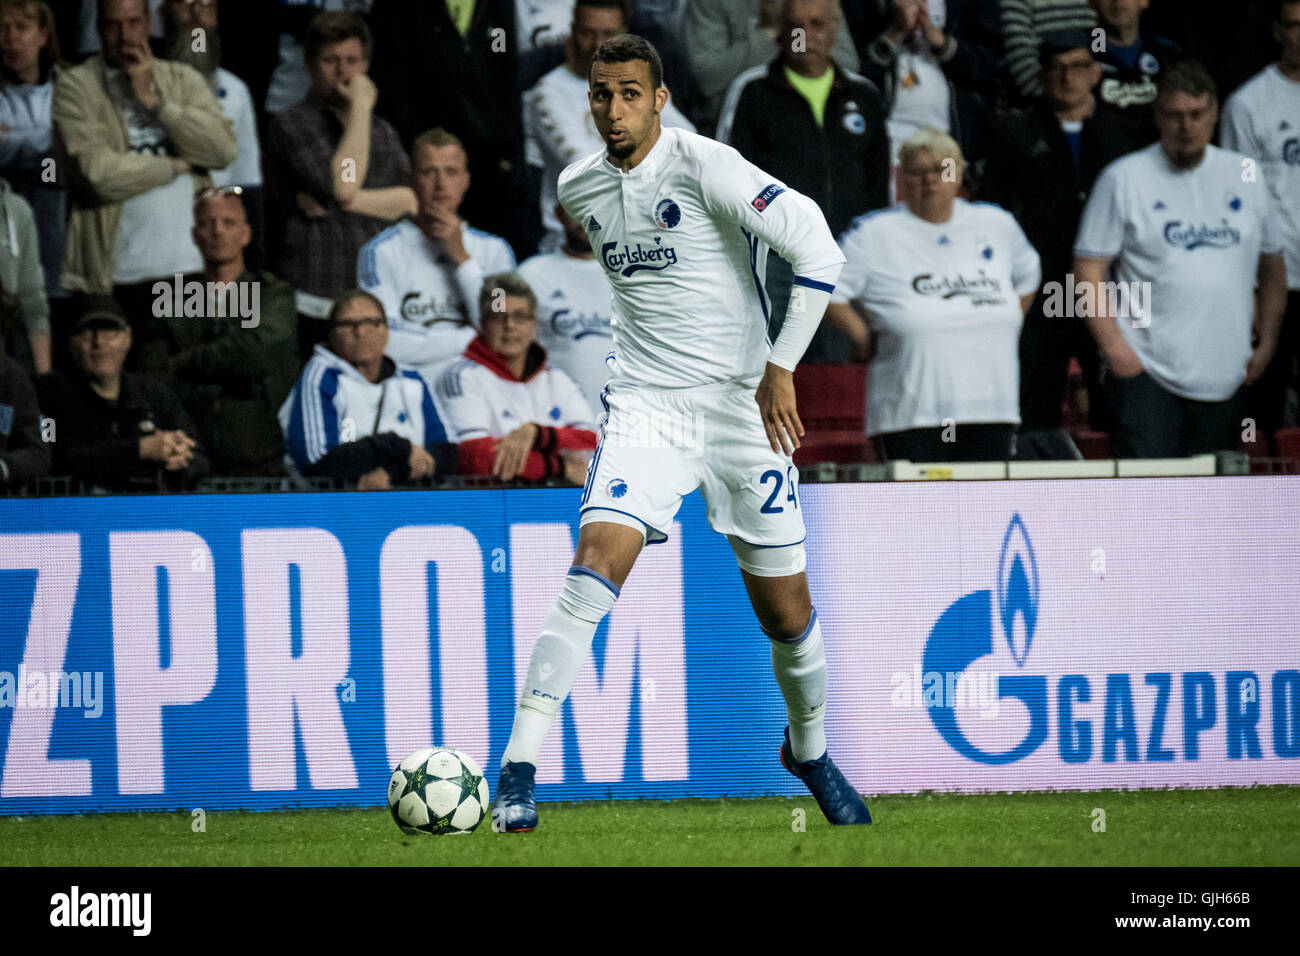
x=1018, y=589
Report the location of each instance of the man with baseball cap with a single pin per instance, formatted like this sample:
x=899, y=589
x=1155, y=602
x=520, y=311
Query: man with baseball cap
x=114, y=430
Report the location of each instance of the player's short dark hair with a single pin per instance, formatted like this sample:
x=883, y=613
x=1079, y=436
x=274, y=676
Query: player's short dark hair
x=622, y=6
x=1277, y=8
x=1187, y=76
x=507, y=284
x=332, y=27
x=627, y=47
x=347, y=298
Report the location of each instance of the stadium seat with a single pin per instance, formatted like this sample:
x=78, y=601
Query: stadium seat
x=1094, y=446
x=1288, y=443
x=832, y=406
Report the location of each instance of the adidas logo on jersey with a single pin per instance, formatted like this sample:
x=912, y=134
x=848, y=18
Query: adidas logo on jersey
x=593, y=225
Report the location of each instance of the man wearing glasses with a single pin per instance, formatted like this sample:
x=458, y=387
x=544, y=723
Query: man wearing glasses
x=358, y=417
x=513, y=415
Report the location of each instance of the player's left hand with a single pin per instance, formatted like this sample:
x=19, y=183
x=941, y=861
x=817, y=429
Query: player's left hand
x=512, y=452
x=776, y=403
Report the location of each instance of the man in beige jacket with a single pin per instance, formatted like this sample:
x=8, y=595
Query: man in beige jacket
x=136, y=137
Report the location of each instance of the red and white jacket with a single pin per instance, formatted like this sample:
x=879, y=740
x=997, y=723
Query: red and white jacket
x=484, y=402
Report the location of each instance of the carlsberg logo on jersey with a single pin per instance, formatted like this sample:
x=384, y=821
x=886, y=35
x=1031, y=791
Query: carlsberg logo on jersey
x=982, y=288
x=1193, y=236
x=630, y=261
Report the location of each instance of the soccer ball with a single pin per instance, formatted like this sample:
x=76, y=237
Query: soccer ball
x=438, y=790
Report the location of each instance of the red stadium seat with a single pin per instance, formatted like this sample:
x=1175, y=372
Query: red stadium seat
x=832, y=406
x=1094, y=446
x=1288, y=443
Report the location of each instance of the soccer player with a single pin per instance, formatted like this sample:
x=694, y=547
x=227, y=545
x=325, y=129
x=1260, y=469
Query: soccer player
x=682, y=225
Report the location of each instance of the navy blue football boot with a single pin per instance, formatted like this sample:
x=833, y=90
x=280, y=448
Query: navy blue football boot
x=842, y=804
x=515, y=810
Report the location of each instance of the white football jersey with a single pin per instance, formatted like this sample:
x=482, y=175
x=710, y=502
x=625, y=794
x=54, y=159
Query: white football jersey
x=1262, y=121
x=683, y=240
x=431, y=304
x=559, y=130
x=573, y=317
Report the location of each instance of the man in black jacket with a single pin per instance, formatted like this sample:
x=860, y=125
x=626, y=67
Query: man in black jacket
x=818, y=128
x=115, y=430
x=1042, y=164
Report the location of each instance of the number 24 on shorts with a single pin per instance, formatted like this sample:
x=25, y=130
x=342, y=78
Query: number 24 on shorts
x=776, y=476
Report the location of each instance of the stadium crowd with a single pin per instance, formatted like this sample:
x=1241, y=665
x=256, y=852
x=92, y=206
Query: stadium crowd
x=297, y=239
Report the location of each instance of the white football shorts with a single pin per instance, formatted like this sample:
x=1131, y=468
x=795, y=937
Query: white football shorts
x=658, y=446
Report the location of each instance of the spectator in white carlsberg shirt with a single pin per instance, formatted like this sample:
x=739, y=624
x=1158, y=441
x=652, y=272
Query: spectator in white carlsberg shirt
x=574, y=309
x=428, y=270
x=1180, y=219
x=946, y=284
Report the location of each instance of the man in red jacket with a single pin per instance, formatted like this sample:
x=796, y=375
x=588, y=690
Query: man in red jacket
x=513, y=415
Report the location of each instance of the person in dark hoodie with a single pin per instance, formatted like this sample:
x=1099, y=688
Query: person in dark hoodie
x=114, y=430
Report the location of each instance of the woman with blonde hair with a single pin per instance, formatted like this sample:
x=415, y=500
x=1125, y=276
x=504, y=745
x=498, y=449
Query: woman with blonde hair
x=945, y=284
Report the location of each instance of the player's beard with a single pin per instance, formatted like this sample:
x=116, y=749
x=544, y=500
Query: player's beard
x=622, y=150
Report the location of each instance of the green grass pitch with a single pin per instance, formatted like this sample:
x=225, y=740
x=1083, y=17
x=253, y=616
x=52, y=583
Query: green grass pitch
x=1255, y=826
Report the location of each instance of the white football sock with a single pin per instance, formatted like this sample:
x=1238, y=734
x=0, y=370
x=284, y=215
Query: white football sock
x=800, y=668
x=560, y=651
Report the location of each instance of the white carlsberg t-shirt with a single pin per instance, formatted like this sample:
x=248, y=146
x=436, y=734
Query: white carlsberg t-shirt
x=573, y=317
x=683, y=239
x=943, y=299
x=1262, y=120
x=432, y=305
x=559, y=130
x=1196, y=236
